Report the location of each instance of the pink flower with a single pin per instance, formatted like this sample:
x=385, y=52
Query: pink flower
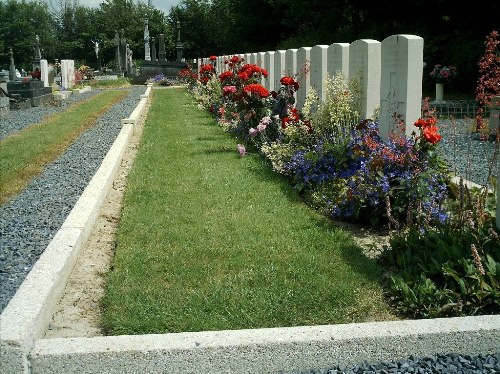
x=228, y=89
x=261, y=127
x=253, y=132
x=241, y=149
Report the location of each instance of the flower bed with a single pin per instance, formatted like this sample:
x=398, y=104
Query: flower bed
x=444, y=254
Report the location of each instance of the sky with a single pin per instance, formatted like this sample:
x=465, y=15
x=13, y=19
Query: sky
x=163, y=5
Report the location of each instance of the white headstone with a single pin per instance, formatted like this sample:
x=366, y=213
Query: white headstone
x=279, y=68
x=260, y=59
x=291, y=62
x=319, y=70
x=338, y=59
x=219, y=64
x=248, y=58
x=303, y=75
x=44, y=69
x=364, y=65
x=253, y=58
x=67, y=74
x=260, y=62
x=269, y=66
x=401, y=82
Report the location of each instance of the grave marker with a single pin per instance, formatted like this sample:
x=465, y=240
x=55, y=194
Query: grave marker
x=44, y=68
x=279, y=67
x=291, y=62
x=401, y=82
x=338, y=59
x=269, y=66
x=319, y=54
x=364, y=66
x=303, y=75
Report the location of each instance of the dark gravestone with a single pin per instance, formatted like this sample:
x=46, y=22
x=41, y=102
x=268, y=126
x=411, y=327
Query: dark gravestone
x=12, y=68
x=33, y=90
x=37, y=54
x=153, y=49
x=162, y=54
x=116, y=42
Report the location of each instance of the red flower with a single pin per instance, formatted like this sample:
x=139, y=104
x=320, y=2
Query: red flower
x=235, y=59
x=243, y=75
x=420, y=122
x=431, y=135
x=264, y=72
x=213, y=58
x=257, y=89
x=226, y=75
x=287, y=81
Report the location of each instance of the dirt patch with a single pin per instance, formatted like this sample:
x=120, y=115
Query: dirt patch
x=79, y=313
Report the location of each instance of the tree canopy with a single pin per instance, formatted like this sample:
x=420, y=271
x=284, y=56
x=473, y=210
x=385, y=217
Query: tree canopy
x=451, y=35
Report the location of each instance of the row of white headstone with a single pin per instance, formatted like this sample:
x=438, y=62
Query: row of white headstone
x=389, y=72
x=67, y=73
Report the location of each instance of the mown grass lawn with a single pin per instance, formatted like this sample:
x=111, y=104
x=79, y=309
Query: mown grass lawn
x=209, y=240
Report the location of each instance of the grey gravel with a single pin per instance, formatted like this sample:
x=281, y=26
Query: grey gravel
x=445, y=364
x=468, y=155
x=30, y=220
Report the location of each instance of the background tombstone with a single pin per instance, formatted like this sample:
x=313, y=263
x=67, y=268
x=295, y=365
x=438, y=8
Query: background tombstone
x=123, y=52
x=401, y=82
x=116, y=43
x=364, y=65
x=279, y=67
x=44, y=67
x=319, y=54
x=153, y=49
x=12, y=68
x=67, y=74
x=162, y=54
x=338, y=59
x=303, y=75
x=147, y=55
x=178, y=44
x=37, y=54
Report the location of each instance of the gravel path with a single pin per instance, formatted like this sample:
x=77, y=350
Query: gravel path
x=29, y=221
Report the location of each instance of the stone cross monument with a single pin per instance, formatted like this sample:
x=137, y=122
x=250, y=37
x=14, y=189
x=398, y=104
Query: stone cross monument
x=147, y=56
x=37, y=55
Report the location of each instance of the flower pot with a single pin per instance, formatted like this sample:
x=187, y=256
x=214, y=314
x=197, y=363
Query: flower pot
x=439, y=91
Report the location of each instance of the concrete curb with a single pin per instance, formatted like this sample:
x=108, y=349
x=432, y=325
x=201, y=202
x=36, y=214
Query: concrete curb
x=24, y=321
x=29, y=312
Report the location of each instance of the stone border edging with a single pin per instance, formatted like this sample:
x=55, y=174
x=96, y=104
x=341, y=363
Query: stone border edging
x=27, y=315
x=25, y=319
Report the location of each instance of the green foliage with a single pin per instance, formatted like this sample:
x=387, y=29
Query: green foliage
x=448, y=270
